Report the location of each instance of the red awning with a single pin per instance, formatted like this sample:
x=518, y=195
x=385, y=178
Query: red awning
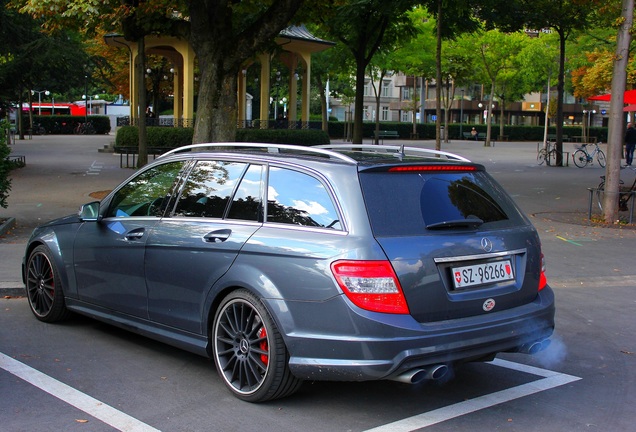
x=629, y=108
x=629, y=97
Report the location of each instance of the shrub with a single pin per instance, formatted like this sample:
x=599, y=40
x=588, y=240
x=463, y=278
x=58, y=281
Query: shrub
x=169, y=137
x=5, y=165
x=164, y=137
x=302, y=137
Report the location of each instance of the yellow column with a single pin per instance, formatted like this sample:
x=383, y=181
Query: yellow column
x=177, y=107
x=265, y=71
x=188, y=84
x=304, y=112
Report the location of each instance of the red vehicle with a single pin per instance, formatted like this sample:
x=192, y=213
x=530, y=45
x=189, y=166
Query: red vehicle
x=57, y=108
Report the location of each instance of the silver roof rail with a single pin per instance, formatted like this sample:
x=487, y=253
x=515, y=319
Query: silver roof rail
x=398, y=150
x=274, y=148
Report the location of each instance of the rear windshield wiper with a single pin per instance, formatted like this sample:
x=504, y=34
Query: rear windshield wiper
x=473, y=222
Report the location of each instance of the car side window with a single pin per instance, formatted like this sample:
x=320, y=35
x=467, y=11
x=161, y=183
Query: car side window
x=246, y=204
x=297, y=198
x=208, y=189
x=147, y=194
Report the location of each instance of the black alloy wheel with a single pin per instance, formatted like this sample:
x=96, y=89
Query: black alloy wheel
x=249, y=352
x=43, y=286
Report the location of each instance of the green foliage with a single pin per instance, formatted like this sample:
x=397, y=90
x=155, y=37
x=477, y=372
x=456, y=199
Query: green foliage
x=167, y=137
x=164, y=137
x=426, y=131
x=5, y=165
x=303, y=137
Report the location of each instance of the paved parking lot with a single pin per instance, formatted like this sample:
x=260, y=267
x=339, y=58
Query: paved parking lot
x=84, y=375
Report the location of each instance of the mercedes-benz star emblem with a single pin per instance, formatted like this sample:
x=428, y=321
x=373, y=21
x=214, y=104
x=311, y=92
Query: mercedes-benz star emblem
x=486, y=244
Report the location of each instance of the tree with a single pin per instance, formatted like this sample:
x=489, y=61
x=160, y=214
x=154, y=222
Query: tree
x=562, y=16
x=615, y=138
x=495, y=54
x=224, y=34
x=363, y=26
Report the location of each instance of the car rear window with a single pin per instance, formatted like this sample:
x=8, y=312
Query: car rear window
x=411, y=203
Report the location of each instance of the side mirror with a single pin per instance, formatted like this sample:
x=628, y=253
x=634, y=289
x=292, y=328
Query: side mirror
x=89, y=212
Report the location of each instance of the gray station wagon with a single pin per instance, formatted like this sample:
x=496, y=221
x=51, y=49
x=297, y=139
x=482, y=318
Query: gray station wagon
x=288, y=263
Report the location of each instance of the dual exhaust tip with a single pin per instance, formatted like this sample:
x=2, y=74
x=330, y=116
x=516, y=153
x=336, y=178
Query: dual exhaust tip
x=416, y=376
x=439, y=371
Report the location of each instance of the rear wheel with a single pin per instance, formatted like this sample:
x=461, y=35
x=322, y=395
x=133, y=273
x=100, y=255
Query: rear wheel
x=249, y=352
x=580, y=158
x=44, y=288
x=600, y=194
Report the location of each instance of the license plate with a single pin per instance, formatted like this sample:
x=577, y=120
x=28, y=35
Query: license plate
x=479, y=274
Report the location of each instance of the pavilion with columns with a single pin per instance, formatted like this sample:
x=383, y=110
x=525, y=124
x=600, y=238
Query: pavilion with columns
x=296, y=45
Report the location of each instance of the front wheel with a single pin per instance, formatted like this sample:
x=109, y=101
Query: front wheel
x=541, y=156
x=44, y=288
x=249, y=351
x=580, y=158
x=600, y=157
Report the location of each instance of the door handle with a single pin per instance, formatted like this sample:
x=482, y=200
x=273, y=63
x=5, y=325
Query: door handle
x=217, y=236
x=135, y=234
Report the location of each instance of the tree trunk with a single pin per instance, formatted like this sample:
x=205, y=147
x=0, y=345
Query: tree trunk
x=560, y=92
x=359, y=102
x=615, y=138
x=438, y=78
x=142, y=158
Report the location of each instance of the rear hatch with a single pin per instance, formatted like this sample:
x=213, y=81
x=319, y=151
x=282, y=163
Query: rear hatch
x=459, y=245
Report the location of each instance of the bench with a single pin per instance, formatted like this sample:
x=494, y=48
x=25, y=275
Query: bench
x=566, y=138
x=386, y=134
x=132, y=152
x=18, y=160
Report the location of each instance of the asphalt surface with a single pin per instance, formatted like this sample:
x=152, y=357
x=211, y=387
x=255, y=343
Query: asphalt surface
x=591, y=268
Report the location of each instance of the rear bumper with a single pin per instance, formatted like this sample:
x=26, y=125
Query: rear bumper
x=370, y=346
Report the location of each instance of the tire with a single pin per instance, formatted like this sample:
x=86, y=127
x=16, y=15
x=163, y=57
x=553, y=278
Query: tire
x=600, y=157
x=249, y=351
x=580, y=158
x=44, y=287
x=541, y=156
x=551, y=157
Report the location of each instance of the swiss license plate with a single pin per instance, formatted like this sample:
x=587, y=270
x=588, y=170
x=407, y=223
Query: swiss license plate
x=479, y=274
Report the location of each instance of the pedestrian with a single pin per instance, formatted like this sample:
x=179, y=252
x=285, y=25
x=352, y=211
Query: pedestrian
x=630, y=143
x=474, y=133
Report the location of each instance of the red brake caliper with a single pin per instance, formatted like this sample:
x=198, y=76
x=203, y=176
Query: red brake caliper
x=263, y=334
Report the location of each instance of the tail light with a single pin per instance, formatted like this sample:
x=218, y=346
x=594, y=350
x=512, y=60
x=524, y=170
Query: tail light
x=371, y=285
x=543, y=281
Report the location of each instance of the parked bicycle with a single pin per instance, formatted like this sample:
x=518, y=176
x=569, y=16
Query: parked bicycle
x=84, y=129
x=546, y=153
x=583, y=156
x=625, y=193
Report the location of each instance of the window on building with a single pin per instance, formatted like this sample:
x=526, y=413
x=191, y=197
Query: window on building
x=386, y=89
x=385, y=113
x=407, y=93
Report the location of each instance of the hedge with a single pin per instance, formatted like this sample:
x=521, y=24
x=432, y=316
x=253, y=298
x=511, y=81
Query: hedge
x=171, y=137
x=65, y=124
x=427, y=131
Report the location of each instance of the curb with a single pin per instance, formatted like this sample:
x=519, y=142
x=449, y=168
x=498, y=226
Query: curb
x=7, y=225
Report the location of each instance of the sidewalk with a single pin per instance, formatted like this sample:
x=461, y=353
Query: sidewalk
x=62, y=172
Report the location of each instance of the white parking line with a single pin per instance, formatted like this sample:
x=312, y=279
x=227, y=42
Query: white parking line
x=76, y=398
x=550, y=380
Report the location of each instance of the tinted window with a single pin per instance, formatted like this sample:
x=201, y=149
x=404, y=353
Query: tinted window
x=406, y=203
x=299, y=199
x=208, y=189
x=246, y=204
x=147, y=194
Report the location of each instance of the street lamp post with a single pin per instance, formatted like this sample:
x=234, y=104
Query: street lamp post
x=481, y=114
x=39, y=92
